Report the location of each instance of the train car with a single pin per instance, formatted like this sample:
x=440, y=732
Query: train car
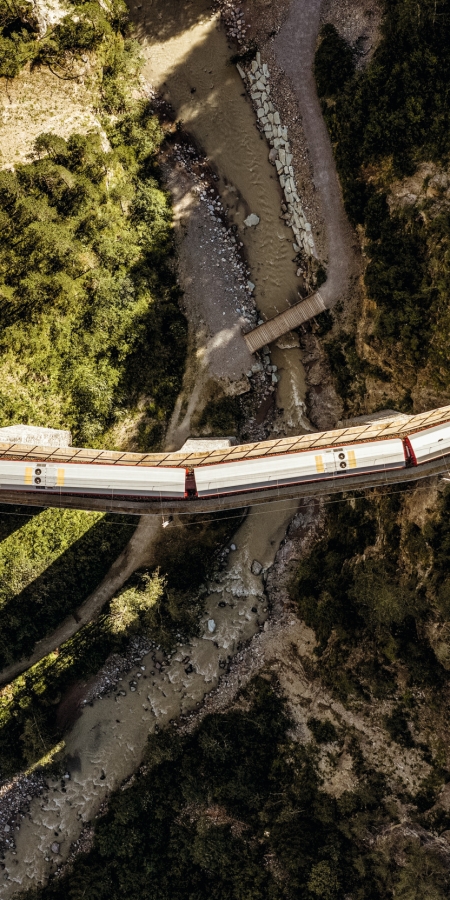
x=293, y=468
x=431, y=443
x=79, y=478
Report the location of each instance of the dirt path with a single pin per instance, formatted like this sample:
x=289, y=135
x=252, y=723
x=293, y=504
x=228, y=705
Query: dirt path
x=294, y=48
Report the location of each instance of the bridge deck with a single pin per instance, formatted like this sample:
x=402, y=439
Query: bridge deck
x=284, y=322
x=138, y=507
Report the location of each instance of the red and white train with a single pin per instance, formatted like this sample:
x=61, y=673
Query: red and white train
x=234, y=477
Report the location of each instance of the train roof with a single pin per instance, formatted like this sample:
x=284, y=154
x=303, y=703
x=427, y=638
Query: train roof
x=359, y=433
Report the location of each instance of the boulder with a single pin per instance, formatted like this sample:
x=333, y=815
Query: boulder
x=256, y=567
x=252, y=220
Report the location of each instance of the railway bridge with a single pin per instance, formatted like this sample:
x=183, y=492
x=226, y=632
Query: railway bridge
x=396, y=426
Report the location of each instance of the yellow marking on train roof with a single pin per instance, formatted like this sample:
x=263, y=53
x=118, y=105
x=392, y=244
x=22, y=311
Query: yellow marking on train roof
x=28, y=475
x=351, y=459
x=60, y=477
x=319, y=464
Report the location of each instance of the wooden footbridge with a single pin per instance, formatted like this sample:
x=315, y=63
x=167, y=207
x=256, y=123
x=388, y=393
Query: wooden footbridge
x=291, y=318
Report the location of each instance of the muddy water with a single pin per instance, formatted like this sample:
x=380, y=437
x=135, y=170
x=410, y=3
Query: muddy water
x=188, y=61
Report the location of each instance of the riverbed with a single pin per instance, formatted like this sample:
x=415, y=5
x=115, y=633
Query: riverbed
x=188, y=62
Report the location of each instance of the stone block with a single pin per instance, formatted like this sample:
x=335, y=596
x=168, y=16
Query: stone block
x=36, y=436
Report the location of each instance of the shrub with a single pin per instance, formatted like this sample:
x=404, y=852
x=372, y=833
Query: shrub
x=324, y=731
x=398, y=727
x=333, y=64
x=18, y=33
x=130, y=610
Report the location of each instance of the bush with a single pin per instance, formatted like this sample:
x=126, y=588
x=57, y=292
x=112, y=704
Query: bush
x=324, y=732
x=333, y=64
x=221, y=416
x=18, y=33
x=90, y=26
x=398, y=727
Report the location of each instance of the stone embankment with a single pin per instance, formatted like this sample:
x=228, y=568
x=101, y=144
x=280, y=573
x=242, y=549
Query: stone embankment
x=257, y=78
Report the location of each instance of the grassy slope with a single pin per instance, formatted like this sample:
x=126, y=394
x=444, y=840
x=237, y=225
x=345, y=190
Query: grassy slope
x=163, y=603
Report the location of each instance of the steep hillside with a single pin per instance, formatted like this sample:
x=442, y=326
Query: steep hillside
x=92, y=337
x=389, y=124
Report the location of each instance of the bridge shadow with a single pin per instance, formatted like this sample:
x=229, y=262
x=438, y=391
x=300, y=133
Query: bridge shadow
x=34, y=612
x=172, y=17
x=13, y=517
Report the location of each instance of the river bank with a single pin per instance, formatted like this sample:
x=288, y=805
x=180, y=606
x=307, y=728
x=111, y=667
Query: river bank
x=107, y=741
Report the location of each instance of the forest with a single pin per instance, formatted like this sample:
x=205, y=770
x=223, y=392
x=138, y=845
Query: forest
x=85, y=291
